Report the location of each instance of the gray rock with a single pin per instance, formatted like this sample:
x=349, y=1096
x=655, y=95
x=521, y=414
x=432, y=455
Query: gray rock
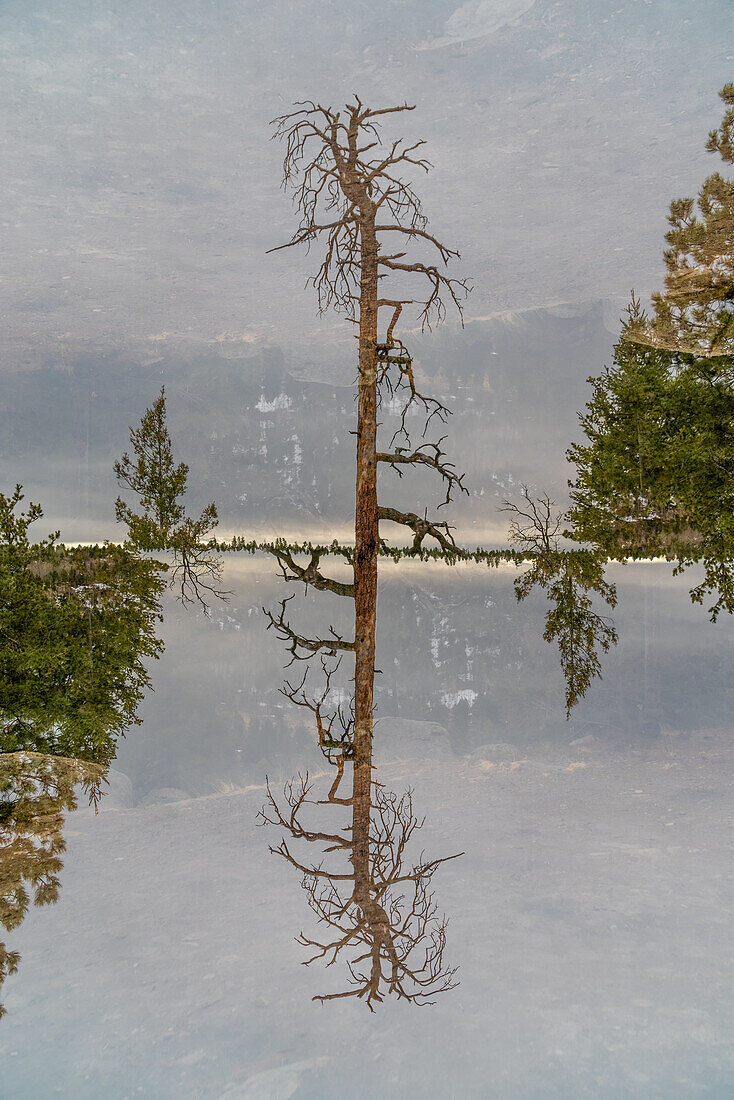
x=406, y=739
x=499, y=752
x=118, y=794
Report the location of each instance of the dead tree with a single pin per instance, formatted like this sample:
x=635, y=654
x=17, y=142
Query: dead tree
x=379, y=914
x=347, y=184
x=348, y=188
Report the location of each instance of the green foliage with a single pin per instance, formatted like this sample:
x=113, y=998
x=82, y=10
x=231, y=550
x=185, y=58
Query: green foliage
x=35, y=790
x=160, y=485
x=568, y=578
x=76, y=628
x=571, y=622
x=695, y=315
x=76, y=625
x=655, y=476
x=155, y=479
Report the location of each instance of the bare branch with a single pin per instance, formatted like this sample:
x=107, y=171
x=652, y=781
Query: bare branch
x=309, y=574
x=196, y=571
x=285, y=632
x=534, y=526
x=335, y=166
x=422, y=526
x=395, y=354
x=296, y=796
x=434, y=304
x=401, y=457
x=414, y=231
x=334, y=729
x=386, y=918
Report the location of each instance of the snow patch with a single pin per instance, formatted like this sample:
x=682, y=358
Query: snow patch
x=282, y=401
x=451, y=699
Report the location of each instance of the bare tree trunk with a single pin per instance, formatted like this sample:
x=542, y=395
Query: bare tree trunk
x=344, y=178
x=365, y=556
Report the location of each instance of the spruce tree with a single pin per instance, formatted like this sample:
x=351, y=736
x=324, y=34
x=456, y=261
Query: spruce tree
x=163, y=524
x=695, y=314
x=77, y=625
x=655, y=475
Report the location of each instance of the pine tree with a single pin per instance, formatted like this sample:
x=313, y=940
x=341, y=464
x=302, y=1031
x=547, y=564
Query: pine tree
x=160, y=486
x=695, y=314
x=655, y=476
x=35, y=792
x=155, y=479
x=76, y=625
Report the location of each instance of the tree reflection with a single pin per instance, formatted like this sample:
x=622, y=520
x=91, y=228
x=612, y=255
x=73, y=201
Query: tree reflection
x=372, y=907
x=35, y=791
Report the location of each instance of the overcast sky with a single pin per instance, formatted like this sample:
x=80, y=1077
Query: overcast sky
x=141, y=190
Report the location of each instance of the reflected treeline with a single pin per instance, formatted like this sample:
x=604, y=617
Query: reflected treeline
x=36, y=789
x=76, y=626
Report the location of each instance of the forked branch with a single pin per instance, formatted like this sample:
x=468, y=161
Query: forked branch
x=421, y=526
x=334, y=728
x=309, y=574
x=341, y=175
x=427, y=454
x=384, y=917
x=333, y=645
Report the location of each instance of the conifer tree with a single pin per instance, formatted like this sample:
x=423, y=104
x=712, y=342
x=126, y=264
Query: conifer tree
x=163, y=524
x=76, y=626
x=154, y=478
x=35, y=791
x=655, y=474
x=695, y=313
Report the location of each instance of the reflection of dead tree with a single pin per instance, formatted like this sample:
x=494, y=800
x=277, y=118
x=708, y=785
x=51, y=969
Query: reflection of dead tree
x=382, y=916
x=420, y=456
x=286, y=633
x=35, y=790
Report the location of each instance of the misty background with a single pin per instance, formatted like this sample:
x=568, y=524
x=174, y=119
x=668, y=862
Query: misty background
x=591, y=913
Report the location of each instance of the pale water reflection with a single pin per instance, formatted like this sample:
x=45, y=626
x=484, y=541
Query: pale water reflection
x=589, y=915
